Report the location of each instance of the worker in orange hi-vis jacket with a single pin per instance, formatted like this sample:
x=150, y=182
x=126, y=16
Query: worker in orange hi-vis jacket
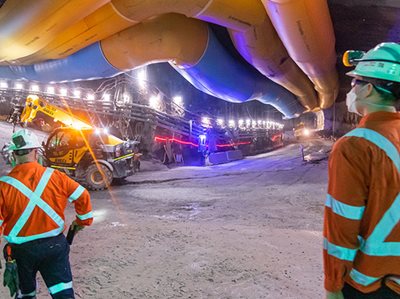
x=32, y=203
x=362, y=210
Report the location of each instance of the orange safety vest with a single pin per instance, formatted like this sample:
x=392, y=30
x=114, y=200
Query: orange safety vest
x=362, y=209
x=33, y=199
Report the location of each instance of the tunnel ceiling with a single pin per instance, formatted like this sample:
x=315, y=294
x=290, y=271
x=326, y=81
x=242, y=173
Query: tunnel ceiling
x=358, y=24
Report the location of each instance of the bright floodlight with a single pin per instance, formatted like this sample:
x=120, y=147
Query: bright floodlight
x=35, y=88
x=50, y=90
x=90, y=97
x=220, y=122
x=126, y=98
x=259, y=122
x=18, y=86
x=142, y=78
x=77, y=93
x=205, y=121
x=106, y=97
x=241, y=122
x=3, y=84
x=177, y=100
x=306, y=132
x=154, y=102
x=63, y=92
x=248, y=122
x=231, y=123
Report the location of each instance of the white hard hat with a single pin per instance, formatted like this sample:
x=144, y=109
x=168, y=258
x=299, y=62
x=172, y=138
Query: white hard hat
x=24, y=139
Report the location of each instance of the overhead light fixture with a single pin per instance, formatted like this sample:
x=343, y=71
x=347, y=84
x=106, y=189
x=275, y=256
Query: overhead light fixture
x=142, y=78
x=154, y=102
x=50, y=89
x=77, y=93
x=35, y=88
x=177, y=100
x=18, y=86
x=205, y=121
x=106, y=97
x=220, y=122
x=126, y=98
x=63, y=92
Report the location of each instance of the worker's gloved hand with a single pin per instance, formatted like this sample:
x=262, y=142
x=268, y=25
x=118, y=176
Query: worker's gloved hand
x=76, y=226
x=336, y=295
x=10, y=278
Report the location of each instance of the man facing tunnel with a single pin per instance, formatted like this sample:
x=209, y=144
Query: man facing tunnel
x=362, y=210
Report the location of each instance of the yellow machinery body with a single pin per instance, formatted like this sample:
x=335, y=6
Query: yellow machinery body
x=90, y=155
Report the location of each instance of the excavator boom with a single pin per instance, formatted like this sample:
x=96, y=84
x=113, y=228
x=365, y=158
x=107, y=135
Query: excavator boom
x=34, y=104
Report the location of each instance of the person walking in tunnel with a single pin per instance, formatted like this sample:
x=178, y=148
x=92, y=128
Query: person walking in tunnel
x=362, y=210
x=32, y=203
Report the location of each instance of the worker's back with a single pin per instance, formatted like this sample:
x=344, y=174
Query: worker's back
x=372, y=177
x=55, y=195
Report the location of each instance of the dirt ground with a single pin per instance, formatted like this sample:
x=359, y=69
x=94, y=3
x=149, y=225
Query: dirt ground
x=248, y=229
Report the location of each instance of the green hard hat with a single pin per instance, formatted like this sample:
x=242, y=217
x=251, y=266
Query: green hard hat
x=381, y=62
x=24, y=139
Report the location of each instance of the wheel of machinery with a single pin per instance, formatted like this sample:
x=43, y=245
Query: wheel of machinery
x=98, y=177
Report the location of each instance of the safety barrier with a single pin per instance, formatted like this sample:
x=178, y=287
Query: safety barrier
x=225, y=157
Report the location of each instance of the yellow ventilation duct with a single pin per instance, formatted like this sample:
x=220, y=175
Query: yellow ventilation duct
x=26, y=26
x=75, y=24
x=170, y=37
x=305, y=27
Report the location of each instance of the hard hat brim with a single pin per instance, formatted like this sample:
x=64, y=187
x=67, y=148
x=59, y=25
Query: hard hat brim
x=352, y=73
x=14, y=148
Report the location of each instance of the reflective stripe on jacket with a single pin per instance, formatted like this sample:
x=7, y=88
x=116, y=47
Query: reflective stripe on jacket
x=362, y=209
x=33, y=199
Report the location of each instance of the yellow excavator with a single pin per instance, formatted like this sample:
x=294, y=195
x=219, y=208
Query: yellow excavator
x=90, y=155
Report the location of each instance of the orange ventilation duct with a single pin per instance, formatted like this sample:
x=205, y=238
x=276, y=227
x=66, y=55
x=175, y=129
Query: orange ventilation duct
x=263, y=49
x=169, y=37
x=190, y=47
x=39, y=30
x=251, y=30
x=27, y=26
x=305, y=27
x=242, y=17
x=97, y=26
